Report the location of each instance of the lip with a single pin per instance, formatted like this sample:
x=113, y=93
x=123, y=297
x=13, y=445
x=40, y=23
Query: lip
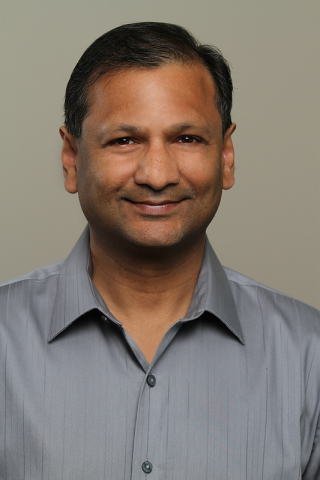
x=156, y=208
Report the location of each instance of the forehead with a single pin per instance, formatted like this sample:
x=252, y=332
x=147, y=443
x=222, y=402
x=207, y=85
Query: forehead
x=171, y=92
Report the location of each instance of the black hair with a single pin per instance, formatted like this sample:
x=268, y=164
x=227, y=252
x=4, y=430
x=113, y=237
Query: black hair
x=146, y=45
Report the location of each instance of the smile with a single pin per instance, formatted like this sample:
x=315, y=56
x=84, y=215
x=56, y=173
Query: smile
x=156, y=208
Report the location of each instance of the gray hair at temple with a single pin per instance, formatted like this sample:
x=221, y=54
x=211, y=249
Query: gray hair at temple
x=145, y=45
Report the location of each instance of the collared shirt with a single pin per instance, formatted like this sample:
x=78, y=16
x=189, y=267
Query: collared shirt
x=233, y=391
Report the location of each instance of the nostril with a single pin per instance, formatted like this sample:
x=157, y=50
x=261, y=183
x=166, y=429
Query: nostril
x=157, y=173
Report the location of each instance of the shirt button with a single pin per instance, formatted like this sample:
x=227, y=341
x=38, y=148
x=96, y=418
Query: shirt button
x=151, y=380
x=147, y=467
x=103, y=317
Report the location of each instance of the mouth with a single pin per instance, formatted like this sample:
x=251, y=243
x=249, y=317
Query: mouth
x=158, y=207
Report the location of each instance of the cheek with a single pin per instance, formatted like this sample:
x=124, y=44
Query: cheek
x=101, y=177
x=91, y=185
x=205, y=177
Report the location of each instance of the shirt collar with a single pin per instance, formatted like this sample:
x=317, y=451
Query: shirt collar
x=76, y=293
x=213, y=294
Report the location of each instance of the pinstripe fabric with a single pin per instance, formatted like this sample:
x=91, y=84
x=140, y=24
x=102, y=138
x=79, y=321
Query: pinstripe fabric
x=237, y=383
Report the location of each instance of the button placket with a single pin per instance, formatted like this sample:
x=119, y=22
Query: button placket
x=147, y=445
x=141, y=462
x=147, y=466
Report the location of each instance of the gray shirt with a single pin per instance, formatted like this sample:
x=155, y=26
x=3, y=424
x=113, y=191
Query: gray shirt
x=232, y=392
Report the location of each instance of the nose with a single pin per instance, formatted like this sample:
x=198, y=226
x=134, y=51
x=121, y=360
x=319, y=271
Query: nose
x=157, y=168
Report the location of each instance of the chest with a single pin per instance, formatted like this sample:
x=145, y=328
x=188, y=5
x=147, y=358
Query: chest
x=208, y=408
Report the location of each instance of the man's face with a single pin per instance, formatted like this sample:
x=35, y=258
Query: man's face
x=152, y=162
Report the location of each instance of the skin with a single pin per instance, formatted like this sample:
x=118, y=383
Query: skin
x=149, y=169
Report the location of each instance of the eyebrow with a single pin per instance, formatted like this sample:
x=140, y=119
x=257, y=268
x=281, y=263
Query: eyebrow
x=180, y=127
x=122, y=127
x=134, y=129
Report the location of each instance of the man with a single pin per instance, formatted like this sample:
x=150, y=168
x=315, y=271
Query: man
x=139, y=354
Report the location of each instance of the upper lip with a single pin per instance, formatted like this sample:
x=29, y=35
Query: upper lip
x=155, y=202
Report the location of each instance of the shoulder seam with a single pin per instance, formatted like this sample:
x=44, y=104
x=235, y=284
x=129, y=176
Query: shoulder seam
x=259, y=286
x=28, y=278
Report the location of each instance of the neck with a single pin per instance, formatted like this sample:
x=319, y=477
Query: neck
x=147, y=290
x=151, y=271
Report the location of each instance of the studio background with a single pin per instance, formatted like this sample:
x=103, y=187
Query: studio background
x=268, y=225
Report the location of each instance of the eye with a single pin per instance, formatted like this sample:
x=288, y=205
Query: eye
x=189, y=139
x=122, y=141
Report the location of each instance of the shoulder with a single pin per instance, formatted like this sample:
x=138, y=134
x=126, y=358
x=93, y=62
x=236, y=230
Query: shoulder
x=273, y=306
x=26, y=306
x=287, y=330
x=248, y=286
x=39, y=274
x=27, y=289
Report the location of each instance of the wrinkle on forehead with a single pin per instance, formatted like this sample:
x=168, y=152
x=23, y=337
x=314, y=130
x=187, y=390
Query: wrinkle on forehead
x=123, y=106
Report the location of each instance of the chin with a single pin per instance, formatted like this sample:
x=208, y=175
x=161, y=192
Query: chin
x=157, y=240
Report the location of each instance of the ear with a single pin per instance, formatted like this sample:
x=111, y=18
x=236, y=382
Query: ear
x=228, y=158
x=69, y=160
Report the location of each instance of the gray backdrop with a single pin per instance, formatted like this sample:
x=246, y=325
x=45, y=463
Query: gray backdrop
x=268, y=224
